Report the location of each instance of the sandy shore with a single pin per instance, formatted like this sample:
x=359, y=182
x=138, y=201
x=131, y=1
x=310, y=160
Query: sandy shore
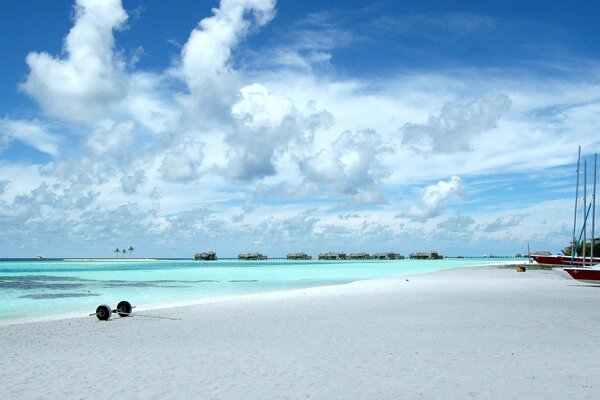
x=485, y=332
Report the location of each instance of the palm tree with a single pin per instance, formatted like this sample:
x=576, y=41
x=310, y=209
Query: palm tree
x=117, y=251
x=123, y=252
x=130, y=250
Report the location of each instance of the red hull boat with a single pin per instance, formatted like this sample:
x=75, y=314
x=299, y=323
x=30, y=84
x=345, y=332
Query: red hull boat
x=564, y=261
x=588, y=275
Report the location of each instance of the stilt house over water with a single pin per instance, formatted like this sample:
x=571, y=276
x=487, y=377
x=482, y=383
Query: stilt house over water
x=206, y=256
x=388, y=256
x=252, y=256
x=332, y=256
x=432, y=255
x=298, y=256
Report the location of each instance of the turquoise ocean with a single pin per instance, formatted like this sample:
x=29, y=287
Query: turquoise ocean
x=42, y=289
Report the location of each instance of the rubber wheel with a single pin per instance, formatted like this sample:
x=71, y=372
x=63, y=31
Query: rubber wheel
x=103, y=312
x=124, y=308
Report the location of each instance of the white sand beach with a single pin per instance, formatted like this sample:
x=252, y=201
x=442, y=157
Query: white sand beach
x=484, y=333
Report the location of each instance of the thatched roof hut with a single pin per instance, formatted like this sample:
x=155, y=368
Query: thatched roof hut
x=360, y=256
x=298, y=256
x=388, y=256
x=432, y=255
x=252, y=256
x=332, y=256
x=206, y=256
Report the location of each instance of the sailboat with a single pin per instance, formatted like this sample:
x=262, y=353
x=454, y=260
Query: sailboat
x=558, y=260
x=588, y=275
x=582, y=273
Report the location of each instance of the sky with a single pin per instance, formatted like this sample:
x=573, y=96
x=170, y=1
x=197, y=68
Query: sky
x=284, y=126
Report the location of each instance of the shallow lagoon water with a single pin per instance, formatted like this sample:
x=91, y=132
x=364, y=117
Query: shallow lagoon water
x=36, y=289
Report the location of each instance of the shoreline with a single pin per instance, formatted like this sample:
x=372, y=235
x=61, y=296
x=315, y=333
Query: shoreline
x=232, y=298
x=474, y=332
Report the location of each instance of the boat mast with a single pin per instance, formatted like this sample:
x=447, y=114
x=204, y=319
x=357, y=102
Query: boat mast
x=584, y=207
x=593, y=212
x=573, y=245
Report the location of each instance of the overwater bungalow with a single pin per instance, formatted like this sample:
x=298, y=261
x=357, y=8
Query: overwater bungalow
x=432, y=255
x=332, y=256
x=252, y=256
x=388, y=256
x=298, y=256
x=206, y=256
x=360, y=256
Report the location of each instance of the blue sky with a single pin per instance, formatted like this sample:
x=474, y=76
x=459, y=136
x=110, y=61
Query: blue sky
x=256, y=125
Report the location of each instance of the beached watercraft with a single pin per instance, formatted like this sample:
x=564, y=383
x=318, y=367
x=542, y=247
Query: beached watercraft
x=557, y=260
x=587, y=269
x=573, y=261
x=588, y=275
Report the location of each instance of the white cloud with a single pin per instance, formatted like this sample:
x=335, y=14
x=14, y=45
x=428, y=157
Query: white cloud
x=183, y=162
x=31, y=133
x=3, y=185
x=457, y=125
x=131, y=183
x=265, y=124
x=206, y=54
x=258, y=109
x=89, y=79
x=351, y=167
x=456, y=224
x=112, y=139
x=503, y=223
x=433, y=199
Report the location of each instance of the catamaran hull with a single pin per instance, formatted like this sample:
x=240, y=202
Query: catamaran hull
x=588, y=275
x=564, y=261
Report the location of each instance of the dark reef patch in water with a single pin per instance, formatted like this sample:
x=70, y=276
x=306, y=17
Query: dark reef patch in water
x=44, y=296
x=35, y=282
x=157, y=284
x=46, y=278
x=33, y=285
x=138, y=285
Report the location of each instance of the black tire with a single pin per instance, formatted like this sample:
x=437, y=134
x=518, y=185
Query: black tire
x=103, y=312
x=124, y=308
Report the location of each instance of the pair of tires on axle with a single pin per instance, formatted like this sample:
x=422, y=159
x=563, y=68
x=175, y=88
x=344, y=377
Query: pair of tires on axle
x=104, y=312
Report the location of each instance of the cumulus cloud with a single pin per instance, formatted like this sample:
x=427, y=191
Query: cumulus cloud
x=51, y=200
x=433, y=199
x=3, y=185
x=351, y=167
x=111, y=139
x=264, y=125
x=182, y=164
x=503, y=223
x=5, y=141
x=150, y=103
x=456, y=223
x=206, y=55
x=89, y=78
x=30, y=133
x=131, y=183
x=456, y=126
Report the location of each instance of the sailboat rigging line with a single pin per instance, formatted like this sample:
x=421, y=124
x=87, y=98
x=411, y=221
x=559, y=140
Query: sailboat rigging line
x=584, y=203
x=573, y=247
x=587, y=214
x=593, y=212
